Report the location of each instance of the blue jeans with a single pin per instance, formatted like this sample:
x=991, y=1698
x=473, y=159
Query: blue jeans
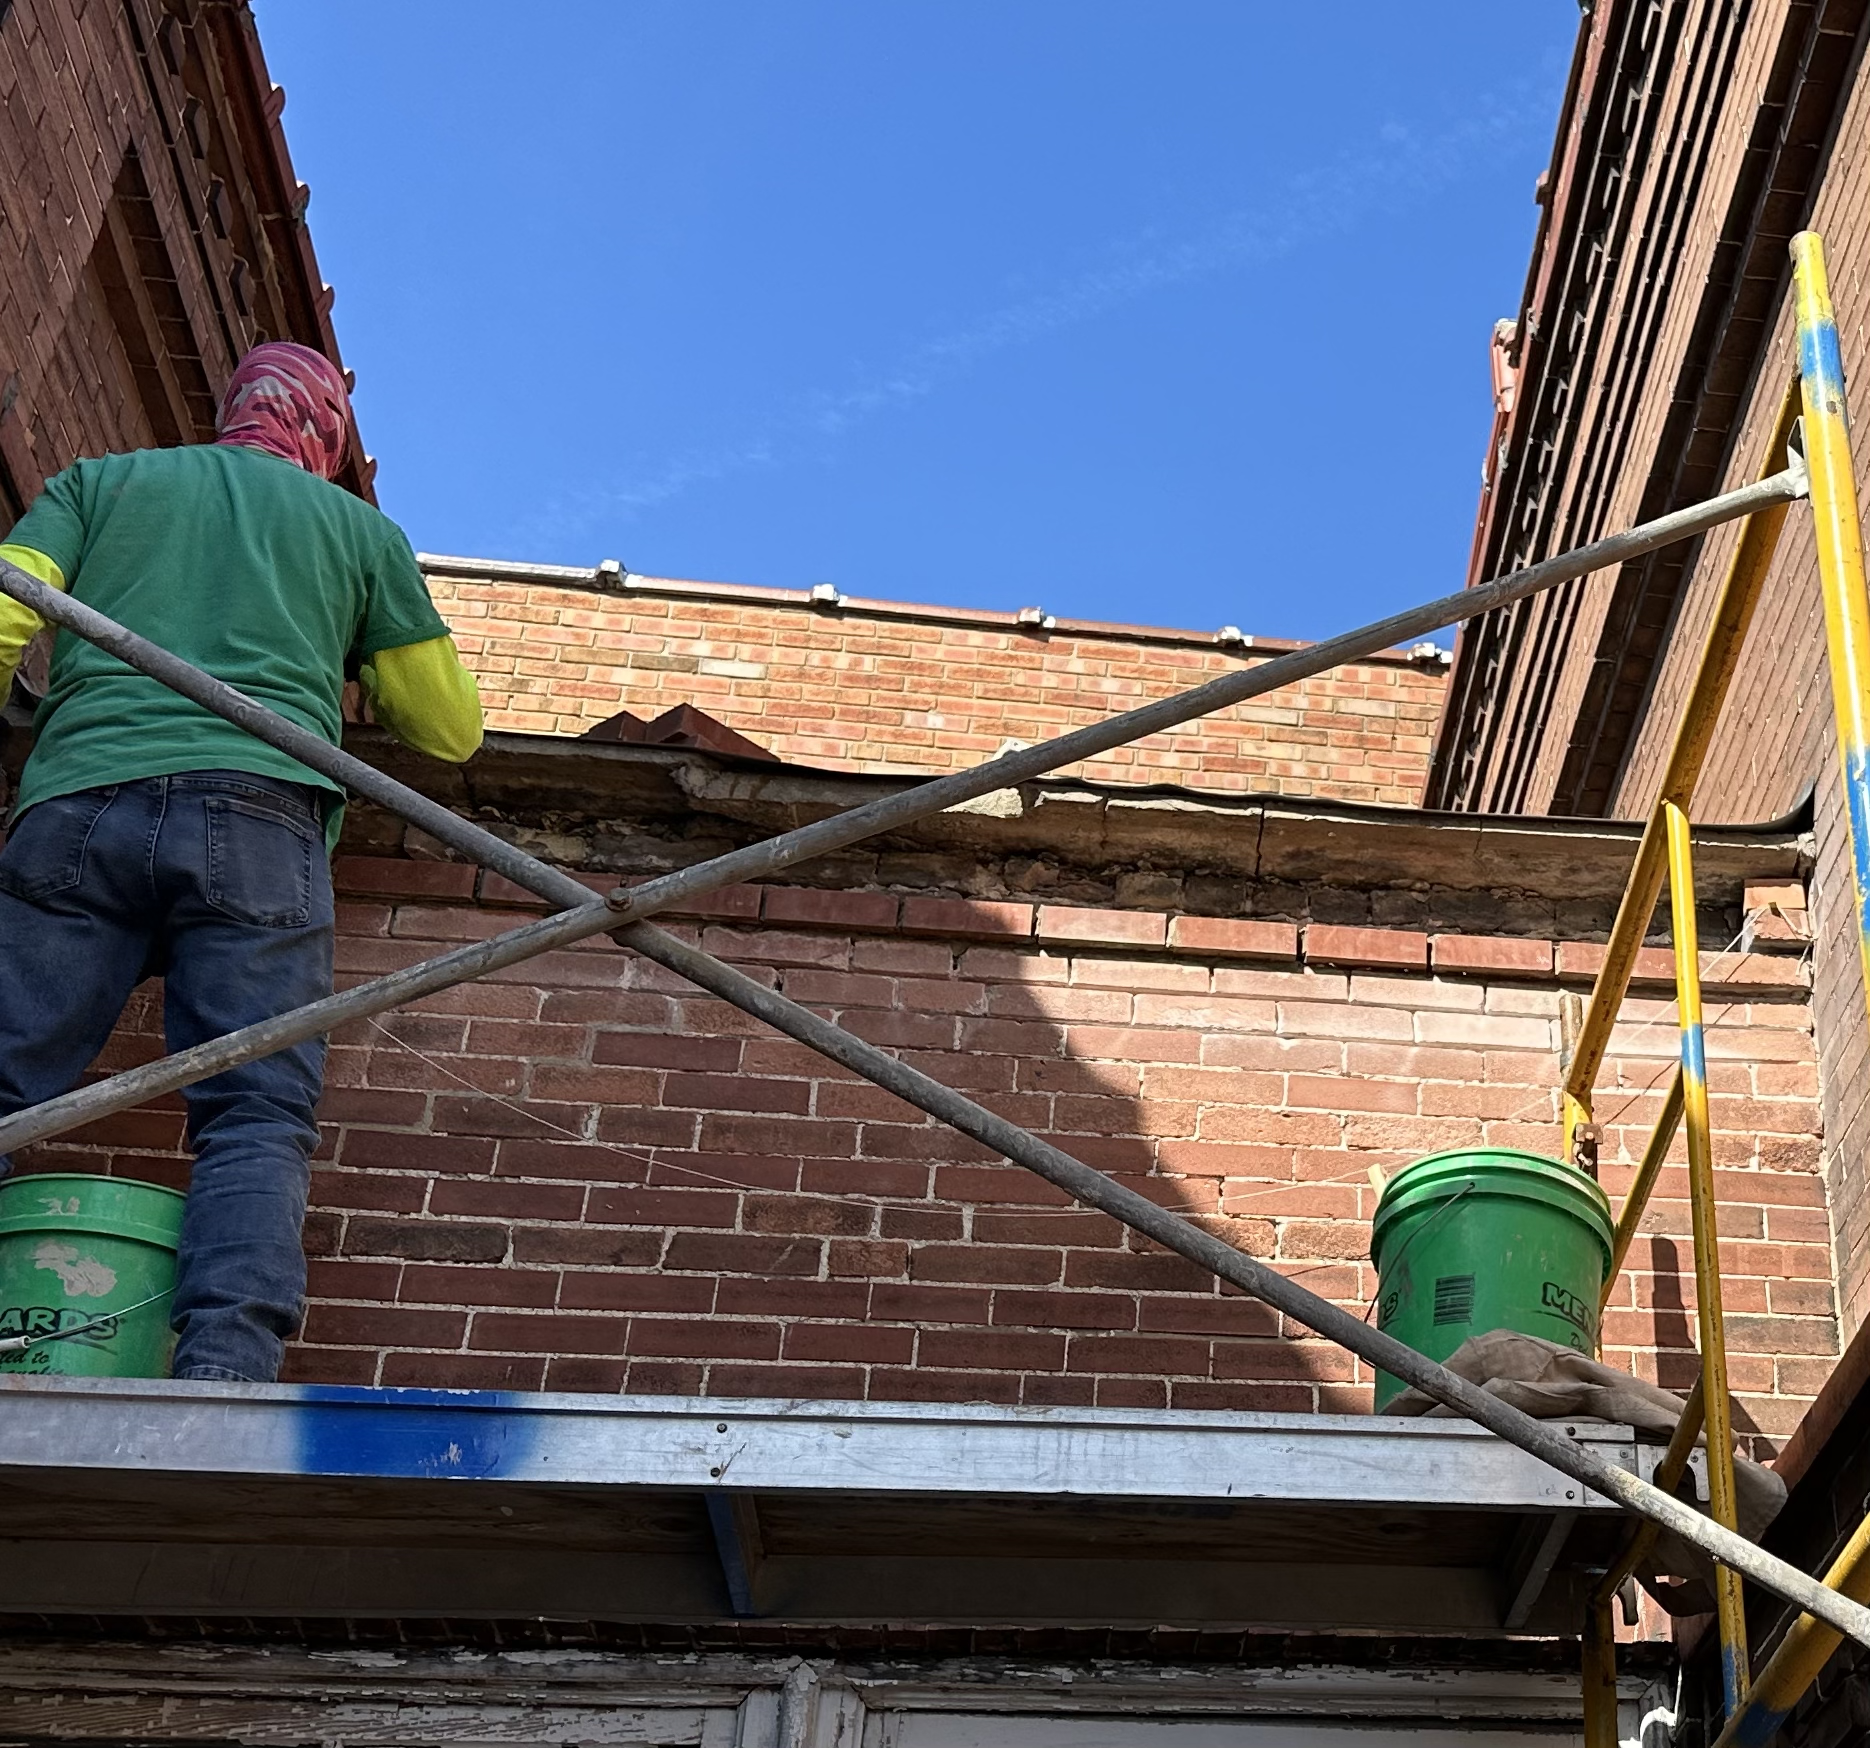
x=218, y=883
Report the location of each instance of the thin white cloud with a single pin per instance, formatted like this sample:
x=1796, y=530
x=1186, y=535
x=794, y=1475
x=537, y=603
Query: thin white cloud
x=1398, y=167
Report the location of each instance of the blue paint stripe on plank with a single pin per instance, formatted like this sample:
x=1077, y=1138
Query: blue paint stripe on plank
x=415, y=1434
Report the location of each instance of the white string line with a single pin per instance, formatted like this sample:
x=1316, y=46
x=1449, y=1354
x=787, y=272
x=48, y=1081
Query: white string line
x=649, y=1157
x=1659, y=1019
x=1545, y=1094
x=640, y=1156
x=637, y=1155
x=1649, y=1025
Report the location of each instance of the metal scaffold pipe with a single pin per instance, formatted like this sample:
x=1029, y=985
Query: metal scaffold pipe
x=584, y=918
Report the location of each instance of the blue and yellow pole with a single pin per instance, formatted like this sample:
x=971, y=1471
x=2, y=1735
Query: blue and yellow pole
x=1720, y=657
x=1718, y=1411
x=1839, y=532
x=1802, y=1654
x=1838, y=529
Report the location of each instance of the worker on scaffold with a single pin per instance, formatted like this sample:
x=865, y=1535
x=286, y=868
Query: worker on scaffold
x=150, y=838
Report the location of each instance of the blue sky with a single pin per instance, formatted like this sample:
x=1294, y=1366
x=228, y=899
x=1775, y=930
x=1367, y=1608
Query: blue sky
x=1170, y=313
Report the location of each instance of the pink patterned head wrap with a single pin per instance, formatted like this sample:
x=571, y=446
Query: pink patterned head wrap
x=291, y=402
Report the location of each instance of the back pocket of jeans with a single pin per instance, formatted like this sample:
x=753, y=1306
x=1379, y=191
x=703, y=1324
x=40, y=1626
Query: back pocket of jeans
x=45, y=850
x=259, y=864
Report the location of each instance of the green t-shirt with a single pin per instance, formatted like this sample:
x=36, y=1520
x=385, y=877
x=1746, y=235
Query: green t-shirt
x=245, y=565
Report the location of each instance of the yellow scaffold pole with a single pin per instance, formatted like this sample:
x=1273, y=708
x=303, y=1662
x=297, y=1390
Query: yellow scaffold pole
x=1720, y=658
x=1838, y=530
x=1716, y=1407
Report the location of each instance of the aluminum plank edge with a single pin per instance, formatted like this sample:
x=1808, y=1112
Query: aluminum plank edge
x=780, y=1446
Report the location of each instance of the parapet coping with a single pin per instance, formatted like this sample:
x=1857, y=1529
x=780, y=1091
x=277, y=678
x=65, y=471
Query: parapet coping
x=1304, y=841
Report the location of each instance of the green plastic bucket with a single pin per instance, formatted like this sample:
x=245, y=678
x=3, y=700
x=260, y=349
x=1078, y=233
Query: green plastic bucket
x=1488, y=1238
x=76, y=1254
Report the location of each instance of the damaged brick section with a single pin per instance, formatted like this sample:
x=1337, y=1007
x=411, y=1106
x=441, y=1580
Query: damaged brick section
x=1071, y=853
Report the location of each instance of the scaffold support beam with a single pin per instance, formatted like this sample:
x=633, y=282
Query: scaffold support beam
x=1720, y=657
x=1723, y=1503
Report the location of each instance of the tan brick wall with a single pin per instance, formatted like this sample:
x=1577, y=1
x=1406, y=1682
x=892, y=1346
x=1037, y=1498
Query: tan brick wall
x=581, y=1174
x=901, y=691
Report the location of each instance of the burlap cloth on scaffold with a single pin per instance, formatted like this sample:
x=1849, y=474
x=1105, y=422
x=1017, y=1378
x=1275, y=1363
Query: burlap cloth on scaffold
x=1550, y=1382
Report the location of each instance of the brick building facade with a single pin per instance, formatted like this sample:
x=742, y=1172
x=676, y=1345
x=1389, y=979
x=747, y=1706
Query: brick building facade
x=583, y=1175
x=823, y=679
x=1239, y=966
x=737, y=1217
x=577, y=1176
x=1645, y=371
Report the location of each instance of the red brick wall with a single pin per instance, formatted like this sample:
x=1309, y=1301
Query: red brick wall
x=71, y=98
x=582, y=1174
x=144, y=251
x=1631, y=239
x=876, y=687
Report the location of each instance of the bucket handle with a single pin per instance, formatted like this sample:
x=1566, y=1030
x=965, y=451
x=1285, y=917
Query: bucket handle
x=1422, y=1231
x=20, y=1343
